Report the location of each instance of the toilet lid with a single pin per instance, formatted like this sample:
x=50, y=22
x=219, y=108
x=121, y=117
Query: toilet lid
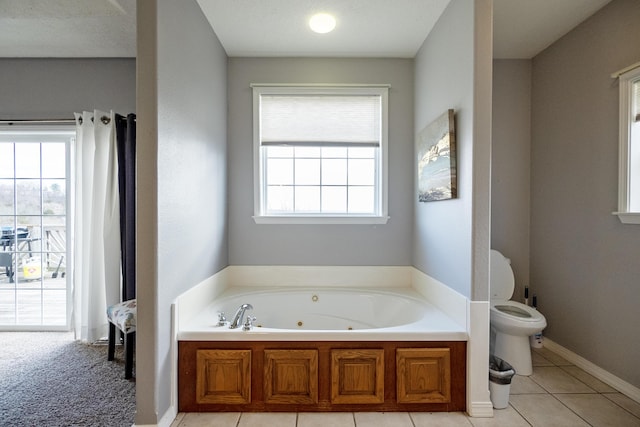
x=501, y=279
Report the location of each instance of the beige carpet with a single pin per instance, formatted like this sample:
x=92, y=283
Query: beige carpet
x=48, y=379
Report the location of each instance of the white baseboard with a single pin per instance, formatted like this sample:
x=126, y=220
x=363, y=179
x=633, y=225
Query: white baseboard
x=629, y=390
x=166, y=420
x=168, y=417
x=480, y=410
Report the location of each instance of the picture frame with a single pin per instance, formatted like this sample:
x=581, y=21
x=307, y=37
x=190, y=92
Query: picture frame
x=436, y=157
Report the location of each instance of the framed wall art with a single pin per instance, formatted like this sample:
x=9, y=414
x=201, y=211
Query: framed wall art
x=436, y=155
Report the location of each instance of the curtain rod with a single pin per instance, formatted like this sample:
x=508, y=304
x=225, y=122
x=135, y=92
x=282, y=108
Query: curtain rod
x=10, y=122
x=35, y=121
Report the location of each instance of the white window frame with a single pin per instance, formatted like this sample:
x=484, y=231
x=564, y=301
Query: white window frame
x=260, y=217
x=626, y=168
x=66, y=135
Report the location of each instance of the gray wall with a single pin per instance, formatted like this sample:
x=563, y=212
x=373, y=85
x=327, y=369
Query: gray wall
x=56, y=88
x=388, y=244
x=442, y=246
x=510, y=166
x=190, y=244
x=584, y=262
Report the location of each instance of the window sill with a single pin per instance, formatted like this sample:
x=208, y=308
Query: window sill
x=628, y=217
x=330, y=220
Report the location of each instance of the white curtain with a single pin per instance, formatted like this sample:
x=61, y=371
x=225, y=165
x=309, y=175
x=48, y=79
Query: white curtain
x=96, y=239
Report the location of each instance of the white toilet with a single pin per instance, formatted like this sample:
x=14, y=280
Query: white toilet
x=511, y=322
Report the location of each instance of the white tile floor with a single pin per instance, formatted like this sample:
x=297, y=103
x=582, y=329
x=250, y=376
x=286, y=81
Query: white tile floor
x=557, y=394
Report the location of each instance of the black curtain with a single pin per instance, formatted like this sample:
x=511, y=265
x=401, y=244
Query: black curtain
x=126, y=144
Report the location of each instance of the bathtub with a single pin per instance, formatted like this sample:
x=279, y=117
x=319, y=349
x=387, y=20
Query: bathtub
x=322, y=349
x=393, y=319
x=308, y=314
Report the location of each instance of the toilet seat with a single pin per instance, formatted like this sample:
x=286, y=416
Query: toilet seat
x=503, y=309
x=516, y=311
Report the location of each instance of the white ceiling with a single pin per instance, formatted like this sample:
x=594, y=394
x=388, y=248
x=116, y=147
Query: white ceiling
x=366, y=28
x=67, y=28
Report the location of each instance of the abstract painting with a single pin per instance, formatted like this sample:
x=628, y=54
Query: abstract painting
x=436, y=152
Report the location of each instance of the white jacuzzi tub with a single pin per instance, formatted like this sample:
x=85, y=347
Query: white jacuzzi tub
x=308, y=314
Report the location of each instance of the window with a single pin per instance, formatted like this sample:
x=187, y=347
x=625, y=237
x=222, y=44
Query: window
x=34, y=206
x=320, y=154
x=629, y=148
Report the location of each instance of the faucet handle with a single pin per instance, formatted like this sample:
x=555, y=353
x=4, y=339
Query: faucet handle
x=222, y=321
x=248, y=323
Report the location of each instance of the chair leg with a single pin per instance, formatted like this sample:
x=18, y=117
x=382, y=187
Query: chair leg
x=129, y=346
x=112, y=341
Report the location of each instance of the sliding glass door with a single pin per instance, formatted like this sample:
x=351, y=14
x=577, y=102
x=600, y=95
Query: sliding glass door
x=34, y=220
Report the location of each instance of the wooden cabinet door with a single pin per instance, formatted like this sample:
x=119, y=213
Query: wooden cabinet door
x=223, y=376
x=423, y=375
x=291, y=376
x=357, y=376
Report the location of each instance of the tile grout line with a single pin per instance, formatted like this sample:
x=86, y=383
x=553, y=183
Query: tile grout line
x=577, y=379
x=563, y=404
x=555, y=365
x=587, y=385
x=413, y=423
x=617, y=404
x=518, y=412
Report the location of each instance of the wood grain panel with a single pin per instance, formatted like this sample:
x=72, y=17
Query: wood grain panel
x=223, y=376
x=357, y=376
x=291, y=376
x=187, y=376
x=424, y=375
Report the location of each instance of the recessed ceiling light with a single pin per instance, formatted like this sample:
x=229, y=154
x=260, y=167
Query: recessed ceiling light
x=322, y=23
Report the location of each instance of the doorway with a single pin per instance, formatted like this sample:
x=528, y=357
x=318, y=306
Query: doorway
x=35, y=292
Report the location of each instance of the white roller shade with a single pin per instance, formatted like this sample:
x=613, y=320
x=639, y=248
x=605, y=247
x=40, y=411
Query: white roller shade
x=320, y=120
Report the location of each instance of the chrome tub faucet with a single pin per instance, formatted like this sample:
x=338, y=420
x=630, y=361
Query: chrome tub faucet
x=237, y=319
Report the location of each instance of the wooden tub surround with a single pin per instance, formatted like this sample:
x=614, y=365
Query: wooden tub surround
x=297, y=376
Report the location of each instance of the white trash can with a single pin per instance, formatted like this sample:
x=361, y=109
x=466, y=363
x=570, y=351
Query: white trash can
x=500, y=375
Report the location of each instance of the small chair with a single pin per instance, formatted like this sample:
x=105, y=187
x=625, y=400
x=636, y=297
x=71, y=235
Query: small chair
x=6, y=261
x=123, y=316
